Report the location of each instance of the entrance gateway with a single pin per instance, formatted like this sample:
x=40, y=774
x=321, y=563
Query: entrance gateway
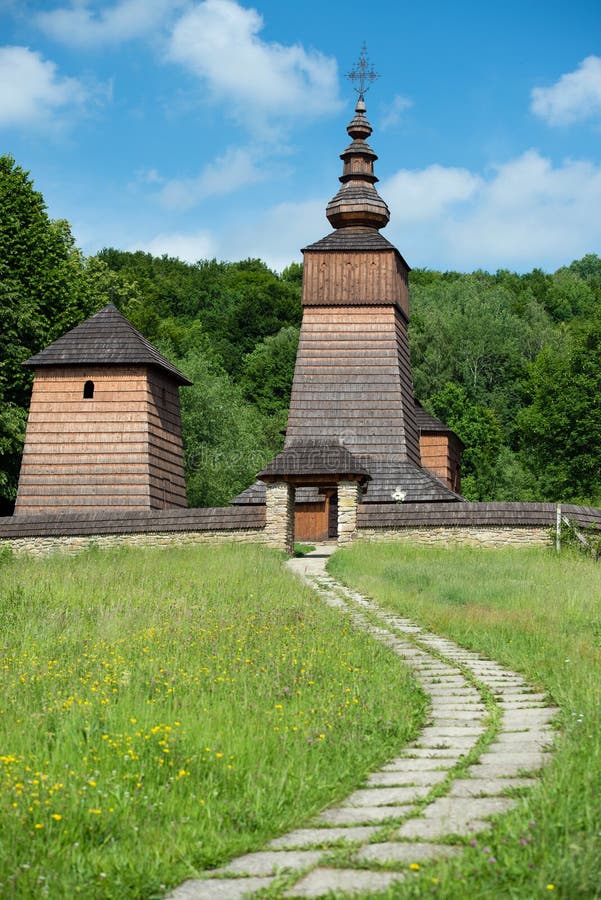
x=322, y=472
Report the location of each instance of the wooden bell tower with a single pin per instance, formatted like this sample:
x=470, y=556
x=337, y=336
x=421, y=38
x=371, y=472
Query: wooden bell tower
x=104, y=428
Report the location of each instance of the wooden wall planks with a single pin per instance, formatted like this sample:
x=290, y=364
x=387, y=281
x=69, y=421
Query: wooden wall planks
x=120, y=449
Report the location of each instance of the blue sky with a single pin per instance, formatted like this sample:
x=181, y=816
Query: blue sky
x=214, y=128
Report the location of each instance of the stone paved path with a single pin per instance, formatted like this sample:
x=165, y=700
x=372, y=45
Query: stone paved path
x=424, y=795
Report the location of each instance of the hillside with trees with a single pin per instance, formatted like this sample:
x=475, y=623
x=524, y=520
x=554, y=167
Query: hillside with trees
x=512, y=362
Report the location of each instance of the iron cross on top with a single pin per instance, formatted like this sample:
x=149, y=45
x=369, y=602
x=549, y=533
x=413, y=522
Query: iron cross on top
x=362, y=73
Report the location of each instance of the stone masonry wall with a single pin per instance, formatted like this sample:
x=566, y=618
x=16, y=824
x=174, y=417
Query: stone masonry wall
x=474, y=536
x=279, y=516
x=348, y=498
x=46, y=546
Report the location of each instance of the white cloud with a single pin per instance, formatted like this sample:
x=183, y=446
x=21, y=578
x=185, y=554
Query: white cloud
x=424, y=195
x=393, y=114
x=218, y=40
x=574, y=98
x=235, y=169
x=81, y=25
x=525, y=212
x=31, y=90
x=277, y=234
x=190, y=246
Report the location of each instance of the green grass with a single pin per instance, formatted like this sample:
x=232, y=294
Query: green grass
x=303, y=549
x=540, y=615
x=163, y=711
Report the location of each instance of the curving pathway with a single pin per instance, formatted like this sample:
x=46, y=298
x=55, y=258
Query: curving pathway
x=486, y=731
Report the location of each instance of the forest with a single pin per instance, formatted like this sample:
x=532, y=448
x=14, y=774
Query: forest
x=511, y=362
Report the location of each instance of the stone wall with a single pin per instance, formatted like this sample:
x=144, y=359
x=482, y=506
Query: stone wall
x=46, y=546
x=474, y=536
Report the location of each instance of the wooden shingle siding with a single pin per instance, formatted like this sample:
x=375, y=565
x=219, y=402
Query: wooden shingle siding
x=167, y=485
x=365, y=401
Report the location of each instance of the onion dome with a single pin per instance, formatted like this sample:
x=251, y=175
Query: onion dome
x=357, y=203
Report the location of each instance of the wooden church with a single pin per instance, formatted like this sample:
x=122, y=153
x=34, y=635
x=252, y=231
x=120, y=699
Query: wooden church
x=104, y=429
x=353, y=415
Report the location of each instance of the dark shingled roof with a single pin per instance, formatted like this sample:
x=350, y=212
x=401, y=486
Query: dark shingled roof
x=106, y=338
x=134, y=522
x=368, y=239
x=314, y=458
x=432, y=515
x=427, y=422
x=418, y=485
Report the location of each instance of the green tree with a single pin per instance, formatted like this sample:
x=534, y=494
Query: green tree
x=37, y=262
x=268, y=372
x=226, y=440
x=480, y=431
x=560, y=429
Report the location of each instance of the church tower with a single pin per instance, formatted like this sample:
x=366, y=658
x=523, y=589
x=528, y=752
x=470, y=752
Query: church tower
x=353, y=385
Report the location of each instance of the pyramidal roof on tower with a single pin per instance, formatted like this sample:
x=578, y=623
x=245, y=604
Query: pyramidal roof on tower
x=106, y=338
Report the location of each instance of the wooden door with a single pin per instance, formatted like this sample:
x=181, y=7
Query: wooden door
x=311, y=521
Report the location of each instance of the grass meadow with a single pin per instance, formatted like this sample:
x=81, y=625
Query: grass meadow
x=162, y=711
x=539, y=614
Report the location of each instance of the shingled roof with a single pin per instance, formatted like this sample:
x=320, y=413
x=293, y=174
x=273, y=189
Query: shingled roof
x=353, y=239
x=316, y=458
x=429, y=423
x=386, y=483
x=106, y=338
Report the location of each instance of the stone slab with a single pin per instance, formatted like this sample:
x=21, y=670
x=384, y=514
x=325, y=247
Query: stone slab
x=526, y=718
x=447, y=809
x=396, y=851
x=218, y=888
x=455, y=744
x=268, y=862
x=511, y=691
x=321, y=882
x=433, y=732
x=526, y=698
x=454, y=696
x=526, y=739
x=312, y=837
x=487, y=787
x=385, y=796
x=435, y=752
x=431, y=829
x=521, y=704
x=399, y=777
x=425, y=764
x=504, y=769
x=362, y=815
x=450, y=719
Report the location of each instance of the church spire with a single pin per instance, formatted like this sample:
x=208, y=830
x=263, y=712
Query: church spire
x=357, y=204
